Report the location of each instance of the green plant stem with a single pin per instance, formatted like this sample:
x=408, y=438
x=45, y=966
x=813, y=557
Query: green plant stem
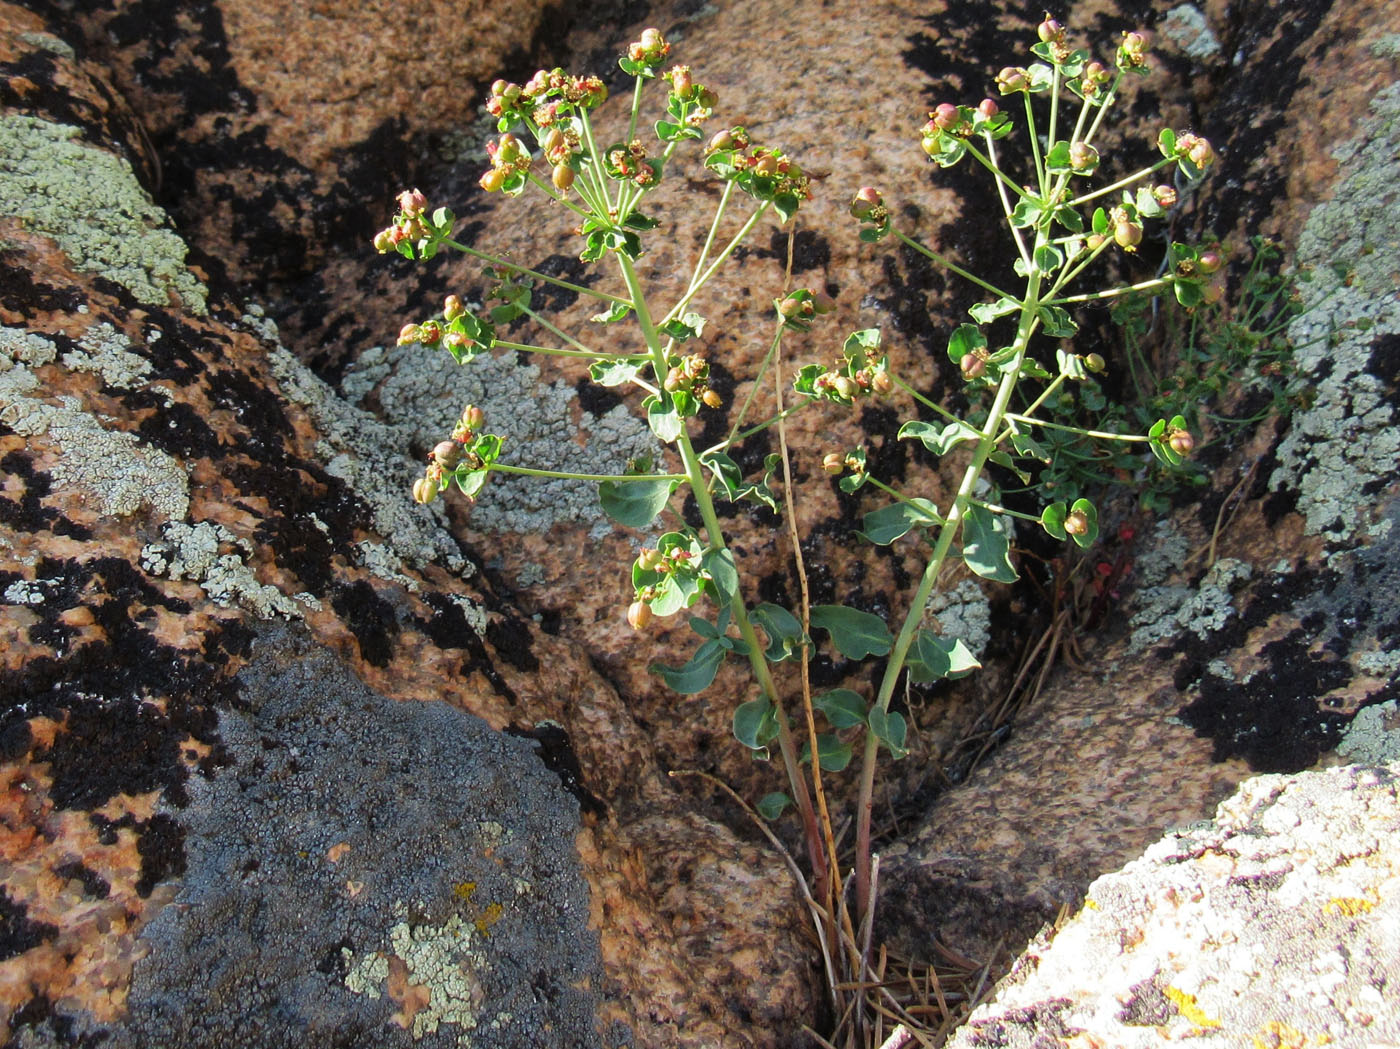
x=1104, y=434
x=1045, y=395
x=899, y=496
x=548, y=190
x=695, y=474
x=1054, y=111
x=596, y=169
x=757, y=428
x=942, y=261
x=552, y=351
x=1003, y=511
x=636, y=109
x=710, y=239
x=1006, y=202
x=757, y=383
x=734, y=242
x=1137, y=176
x=1002, y=178
x=922, y=399
x=1112, y=293
x=946, y=535
x=554, y=329
x=1104, y=107
x=527, y=471
x=1035, y=143
x=513, y=267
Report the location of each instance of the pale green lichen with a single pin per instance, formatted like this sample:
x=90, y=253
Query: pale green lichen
x=1347, y=442
x=120, y=472
x=1186, y=27
x=91, y=204
x=369, y=457
x=1165, y=611
x=106, y=351
x=212, y=556
x=1373, y=737
x=964, y=613
x=422, y=391
x=444, y=959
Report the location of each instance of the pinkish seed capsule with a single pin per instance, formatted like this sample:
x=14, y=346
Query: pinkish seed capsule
x=452, y=307
x=988, y=108
x=1127, y=234
x=638, y=615
x=562, y=177
x=945, y=117
x=473, y=418
x=447, y=454
x=1077, y=522
x=1181, y=442
x=834, y=463
x=972, y=366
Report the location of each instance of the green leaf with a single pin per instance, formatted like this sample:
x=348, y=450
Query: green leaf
x=704, y=628
x=933, y=658
x=1048, y=259
x=1028, y=446
x=786, y=205
x=833, y=754
x=1188, y=293
x=723, y=573
x=861, y=344
x=882, y=527
x=939, y=441
x=842, y=707
x=1027, y=213
x=666, y=131
x=687, y=326
x=615, y=372
x=1070, y=219
x=771, y=806
x=784, y=631
x=1002, y=458
x=1166, y=142
x=663, y=418
x=675, y=591
x=754, y=723
x=1071, y=365
x=696, y=675
x=616, y=312
x=637, y=220
x=986, y=312
x=855, y=634
x=1056, y=322
x=890, y=730
x=986, y=547
x=1092, y=534
x=1057, y=160
x=965, y=339
x=1052, y=519
x=635, y=503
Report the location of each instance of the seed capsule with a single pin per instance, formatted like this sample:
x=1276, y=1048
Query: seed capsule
x=1181, y=442
x=638, y=615
x=1077, y=523
x=973, y=366
x=834, y=463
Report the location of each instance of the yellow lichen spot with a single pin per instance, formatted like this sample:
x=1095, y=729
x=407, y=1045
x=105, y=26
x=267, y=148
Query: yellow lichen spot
x=489, y=917
x=1277, y=1035
x=463, y=890
x=1189, y=1010
x=1347, y=906
x=1091, y=905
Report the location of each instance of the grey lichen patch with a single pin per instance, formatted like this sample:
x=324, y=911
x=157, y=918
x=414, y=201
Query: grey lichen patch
x=1165, y=611
x=106, y=351
x=474, y=614
x=48, y=42
x=120, y=472
x=91, y=203
x=25, y=592
x=963, y=612
x=1348, y=441
x=422, y=392
x=1373, y=737
x=1186, y=27
x=212, y=556
x=384, y=563
x=368, y=456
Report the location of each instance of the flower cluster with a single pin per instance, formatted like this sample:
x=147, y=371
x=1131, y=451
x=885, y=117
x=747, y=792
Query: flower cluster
x=414, y=233
x=510, y=165
x=858, y=375
x=450, y=455
x=645, y=55
x=628, y=162
x=869, y=206
x=944, y=136
x=667, y=577
x=691, y=374
x=545, y=99
x=760, y=171
x=459, y=331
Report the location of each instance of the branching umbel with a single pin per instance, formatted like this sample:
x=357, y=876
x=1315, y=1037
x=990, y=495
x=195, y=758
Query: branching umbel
x=1057, y=225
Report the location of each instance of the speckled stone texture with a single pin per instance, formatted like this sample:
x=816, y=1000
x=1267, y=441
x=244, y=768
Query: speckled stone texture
x=1275, y=924
x=252, y=487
